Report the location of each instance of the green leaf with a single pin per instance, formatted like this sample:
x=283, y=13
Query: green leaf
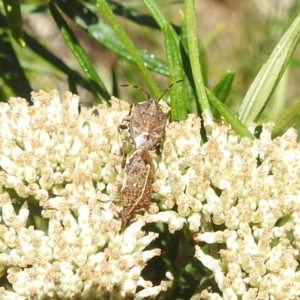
x=192, y=40
x=278, y=101
x=106, y=36
x=177, y=94
x=229, y=116
x=128, y=12
x=114, y=80
x=12, y=72
x=79, y=54
x=191, y=94
x=286, y=118
x=222, y=88
x=270, y=74
x=128, y=44
x=14, y=19
x=56, y=62
x=72, y=85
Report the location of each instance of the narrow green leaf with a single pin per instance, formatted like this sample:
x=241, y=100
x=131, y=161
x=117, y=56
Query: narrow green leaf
x=191, y=94
x=202, y=63
x=286, y=118
x=56, y=62
x=162, y=3
x=270, y=74
x=72, y=85
x=278, y=101
x=192, y=41
x=12, y=72
x=106, y=36
x=80, y=54
x=229, y=116
x=134, y=15
x=14, y=19
x=222, y=88
x=190, y=89
x=177, y=94
x=129, y=45
x=114, y=80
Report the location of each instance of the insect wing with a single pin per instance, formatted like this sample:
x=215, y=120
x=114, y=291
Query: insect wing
x=137, y=184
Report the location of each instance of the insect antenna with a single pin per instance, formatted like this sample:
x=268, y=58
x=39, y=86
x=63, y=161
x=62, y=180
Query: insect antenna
x=167, y=89
x=137, y=87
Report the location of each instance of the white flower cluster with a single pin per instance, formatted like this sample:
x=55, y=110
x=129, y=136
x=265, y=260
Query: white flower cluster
x=240, y=196
x=60, y=232
x=61, y=163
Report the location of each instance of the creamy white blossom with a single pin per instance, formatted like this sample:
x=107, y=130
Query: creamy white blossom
x=65, y=162
x=61, y=235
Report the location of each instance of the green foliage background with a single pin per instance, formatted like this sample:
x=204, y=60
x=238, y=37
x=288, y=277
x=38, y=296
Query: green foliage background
x=237, y=60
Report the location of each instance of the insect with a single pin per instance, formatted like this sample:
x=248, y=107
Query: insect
x=147, y=121
x=137, y=183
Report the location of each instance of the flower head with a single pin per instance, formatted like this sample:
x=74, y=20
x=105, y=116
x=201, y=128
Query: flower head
x=63, y=163
x=61, y=232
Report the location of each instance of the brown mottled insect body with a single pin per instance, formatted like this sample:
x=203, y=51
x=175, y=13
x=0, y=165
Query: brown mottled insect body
x=147, y=123
x=137, y=183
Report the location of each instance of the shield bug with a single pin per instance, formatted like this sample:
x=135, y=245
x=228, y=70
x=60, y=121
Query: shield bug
x=147, y=121
x=137, y=183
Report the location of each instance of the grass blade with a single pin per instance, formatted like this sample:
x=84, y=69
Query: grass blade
x=192, y=41
x=286, y=118
x=79, y=54
x=229, y=116
x=126, y=41
x=191, y=94
x=56, y=62
x=12, y=72
x=137, y=17
x=222, y=88
x=270, y=74
x=177, y=94
x=106, y=36
x=14, y=19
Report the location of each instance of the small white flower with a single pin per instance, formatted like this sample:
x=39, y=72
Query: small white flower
x=239, y=198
